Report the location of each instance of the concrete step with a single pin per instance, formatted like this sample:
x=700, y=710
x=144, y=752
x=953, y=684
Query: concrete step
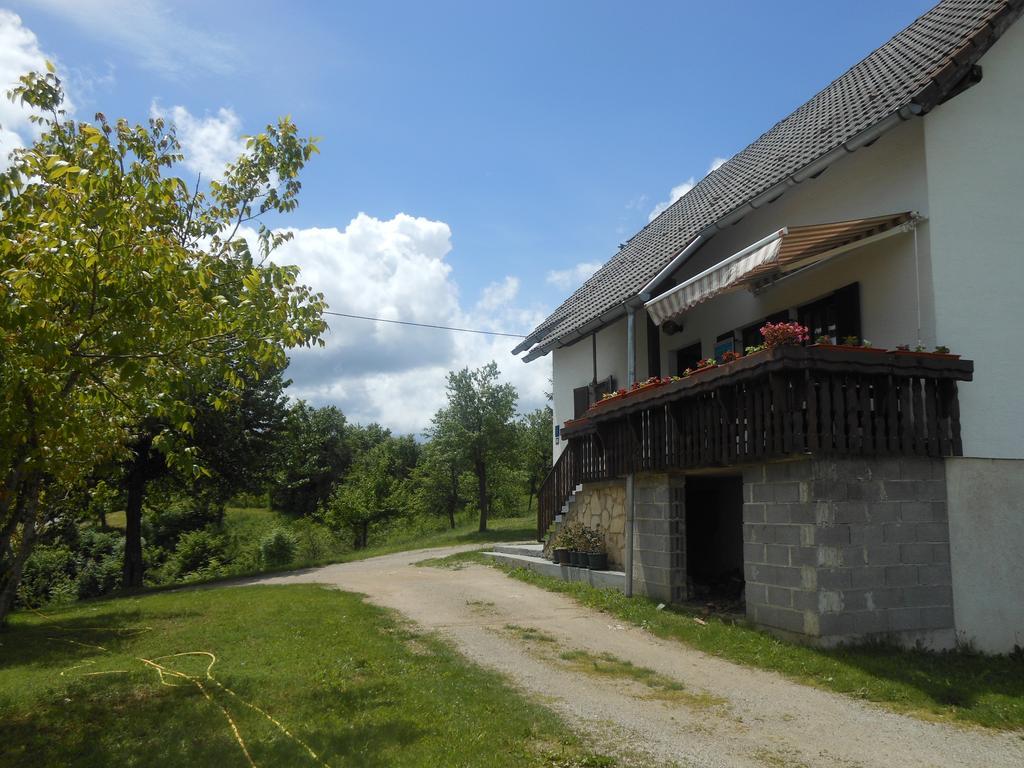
x=600, y=579
x=525, y=548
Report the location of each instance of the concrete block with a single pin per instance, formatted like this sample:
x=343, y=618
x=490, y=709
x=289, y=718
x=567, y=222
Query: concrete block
x=940, y=553
x=932, y=490
x=787, y=534
x=782, y=576
x=758, y=533
x=762, y=492
x=937, y=617
x=780, y=597
x=868, y=578
x=778, y=513
x=882, y=554
x=830, y=601
x=753, y=553
x=903, y=619
x=866, y=490
x=786, y=492
x=829, y=557
x=852, y=469
x=866, y=535
x=857, y=600
x=890, y=597
x=777, y=554
x=926, y=596
x=833, y=624
x=756, y=594
x=653, y=558
x=933, y=532
x=870, y=622
x=916, y=552
x=898, y=533
x=832, y=535
x=753, y=474
x=851, y=512
x=901, y=575
x=827, y=490
x=748, y=493
x=754, y=573
x=834, y=578
x=824, y=513
x=900, y=490
x=886, y=469
x=852, y=556
x=781, y=618
x=917, y=511
x=884, y=511
x=753, y=513
x=928, y=575
x=805, y=600
x=803, y=555
x=916, y=469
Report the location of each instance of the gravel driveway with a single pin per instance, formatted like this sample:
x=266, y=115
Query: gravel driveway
x=729, y=715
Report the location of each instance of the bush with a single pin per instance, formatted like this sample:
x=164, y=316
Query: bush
x=48, y=571
x=163, y=525
x=100, y=558
x=278, y=547
x=197, y=551
x=315, y=542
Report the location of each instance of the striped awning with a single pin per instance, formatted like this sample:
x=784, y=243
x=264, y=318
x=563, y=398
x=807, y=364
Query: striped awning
x=780, y=253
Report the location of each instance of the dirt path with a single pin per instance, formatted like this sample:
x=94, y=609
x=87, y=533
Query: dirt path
x=725, y=714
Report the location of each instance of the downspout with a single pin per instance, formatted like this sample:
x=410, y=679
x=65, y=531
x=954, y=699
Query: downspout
x=630, y=380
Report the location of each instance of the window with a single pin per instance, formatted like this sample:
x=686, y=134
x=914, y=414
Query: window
x=687, y=357
x=836, y=315
x=752, y=333
x=585, y=396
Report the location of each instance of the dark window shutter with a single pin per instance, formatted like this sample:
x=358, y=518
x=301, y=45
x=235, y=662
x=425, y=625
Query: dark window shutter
x=580, y=401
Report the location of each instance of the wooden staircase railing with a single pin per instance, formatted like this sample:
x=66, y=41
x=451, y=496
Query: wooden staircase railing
x=557, y=487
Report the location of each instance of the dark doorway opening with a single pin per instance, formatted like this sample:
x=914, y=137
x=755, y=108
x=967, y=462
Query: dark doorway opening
x=714, y=539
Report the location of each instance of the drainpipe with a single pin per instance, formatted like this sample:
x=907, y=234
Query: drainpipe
x=630, y=379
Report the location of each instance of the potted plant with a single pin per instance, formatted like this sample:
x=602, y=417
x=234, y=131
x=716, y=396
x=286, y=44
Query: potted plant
x=730, y=357
x=703, y=365
x=597, y=554
x=939, y=351
x=784, y=334
x=574, y=541
x=560, y=550
x=846, y=343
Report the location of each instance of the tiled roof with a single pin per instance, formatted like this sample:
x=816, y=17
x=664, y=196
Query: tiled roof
x=913, y=72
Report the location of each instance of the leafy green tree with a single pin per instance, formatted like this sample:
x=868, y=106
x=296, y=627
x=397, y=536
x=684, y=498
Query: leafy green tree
x=119, y=282
x=314, y=453
x=477, y=426
x=535, y=451
x=376, y=489
x=435, y=482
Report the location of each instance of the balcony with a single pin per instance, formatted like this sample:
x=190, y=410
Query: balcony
x=776, y=403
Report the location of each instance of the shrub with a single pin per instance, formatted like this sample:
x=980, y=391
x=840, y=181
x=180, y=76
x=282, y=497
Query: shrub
x=278, y=547
x=197, y=551
x=47, y=572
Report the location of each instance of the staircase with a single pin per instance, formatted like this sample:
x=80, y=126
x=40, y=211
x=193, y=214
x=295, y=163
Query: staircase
x=558, y=490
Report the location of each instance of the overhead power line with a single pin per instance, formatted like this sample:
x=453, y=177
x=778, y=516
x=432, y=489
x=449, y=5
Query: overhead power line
x=427, y=325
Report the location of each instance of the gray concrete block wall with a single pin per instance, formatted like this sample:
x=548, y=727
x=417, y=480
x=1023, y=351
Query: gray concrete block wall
x=849, y=548
x=659, y=545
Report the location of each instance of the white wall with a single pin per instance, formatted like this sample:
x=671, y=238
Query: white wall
x=573, y=366
x=986, y=542
x=975, y=157
x=887, y=177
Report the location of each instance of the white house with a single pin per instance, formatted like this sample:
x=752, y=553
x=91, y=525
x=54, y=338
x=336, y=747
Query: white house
x=856, y=493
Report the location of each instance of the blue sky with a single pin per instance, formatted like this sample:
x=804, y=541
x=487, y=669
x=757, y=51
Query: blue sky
x=487, y=145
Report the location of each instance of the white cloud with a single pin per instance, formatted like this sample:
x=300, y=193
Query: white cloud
x=151, y=31
x=208, y=142
x=681, y=189
x=572, y=277
x=395, y=374
x=19, y=53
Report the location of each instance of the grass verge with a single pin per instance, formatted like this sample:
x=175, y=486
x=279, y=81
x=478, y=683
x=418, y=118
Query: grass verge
x=956, y=686
x=266, y=676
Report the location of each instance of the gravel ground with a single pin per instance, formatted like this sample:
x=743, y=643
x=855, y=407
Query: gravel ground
x=730, y=715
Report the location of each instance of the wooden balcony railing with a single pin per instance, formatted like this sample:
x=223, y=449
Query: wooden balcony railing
x=780, y=402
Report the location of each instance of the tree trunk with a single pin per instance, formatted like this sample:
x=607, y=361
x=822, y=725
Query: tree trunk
x=481, y=492
x=28, y=538
x=451, y=515
x=133, y=570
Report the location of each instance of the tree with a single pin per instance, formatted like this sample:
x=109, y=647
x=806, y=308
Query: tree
x=376, y=489
x=313, y=456
x=535, y=449
x=436, y=487
x=234, y=444
x=119, y=283
x=477, y=425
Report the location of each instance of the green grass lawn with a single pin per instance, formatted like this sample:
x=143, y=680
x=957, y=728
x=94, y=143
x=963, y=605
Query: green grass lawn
x=956, y=686
x=301, y=676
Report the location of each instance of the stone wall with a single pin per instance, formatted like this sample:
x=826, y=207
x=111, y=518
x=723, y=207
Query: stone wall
x=845, y=549
x=603, y=506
